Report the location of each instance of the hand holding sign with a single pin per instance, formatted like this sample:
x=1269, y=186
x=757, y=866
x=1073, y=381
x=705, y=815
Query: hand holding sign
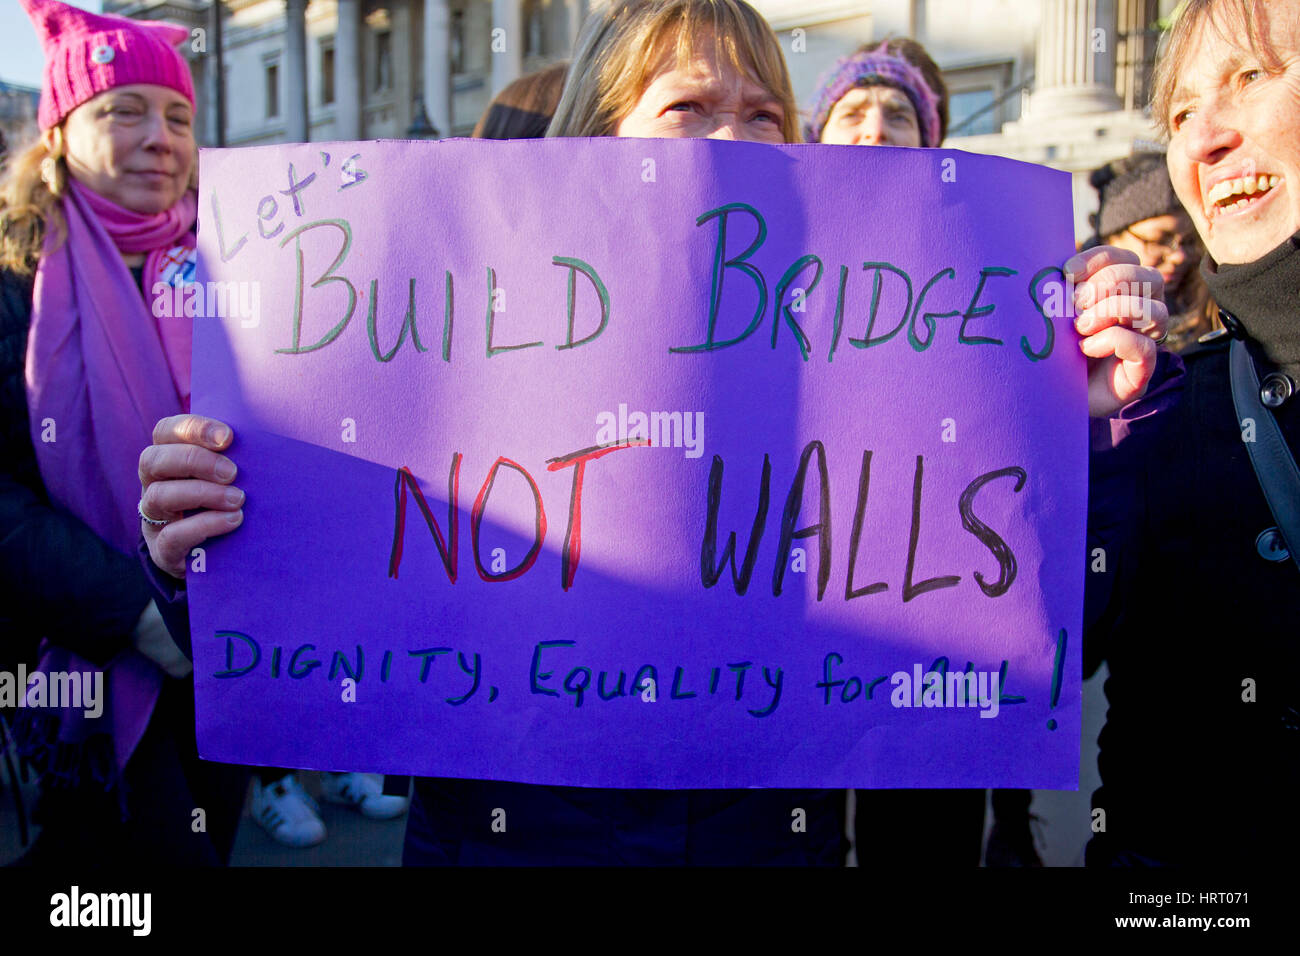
x=1121, y=314
x=183, y=471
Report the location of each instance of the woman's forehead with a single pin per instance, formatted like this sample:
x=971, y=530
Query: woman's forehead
x=700, y=55
x=872, y=93
x=1221, y=43
x=148, y=91
x=1177, y=219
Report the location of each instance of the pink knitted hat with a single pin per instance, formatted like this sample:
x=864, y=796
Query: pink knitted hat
x=88, y=53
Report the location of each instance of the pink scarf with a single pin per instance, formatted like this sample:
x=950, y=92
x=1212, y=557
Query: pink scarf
x=101, y=371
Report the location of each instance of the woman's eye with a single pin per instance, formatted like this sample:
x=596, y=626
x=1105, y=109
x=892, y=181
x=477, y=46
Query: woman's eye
x=683, y=107
x=1181, y=117
x=1247, y=76
x=767, y=117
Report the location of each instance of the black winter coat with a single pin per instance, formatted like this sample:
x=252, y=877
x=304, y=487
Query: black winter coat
x=58, y=579
x=1201, y=750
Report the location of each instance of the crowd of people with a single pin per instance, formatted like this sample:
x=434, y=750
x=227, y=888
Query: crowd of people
x=1200, y=244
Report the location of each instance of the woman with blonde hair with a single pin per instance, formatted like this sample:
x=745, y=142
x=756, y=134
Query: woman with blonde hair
x=93, y=219
x=639, y=62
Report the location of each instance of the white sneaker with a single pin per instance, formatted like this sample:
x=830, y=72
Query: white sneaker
x=365, y=791
x=287, y=812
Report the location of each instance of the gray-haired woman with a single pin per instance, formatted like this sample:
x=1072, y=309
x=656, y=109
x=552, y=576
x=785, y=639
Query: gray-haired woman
x=1200, y=754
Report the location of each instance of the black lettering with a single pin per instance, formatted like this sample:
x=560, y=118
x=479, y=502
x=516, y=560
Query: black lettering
x=911, y=590
x=990, y=539
x=822, y=529
x=855, y=535
x=710, y=567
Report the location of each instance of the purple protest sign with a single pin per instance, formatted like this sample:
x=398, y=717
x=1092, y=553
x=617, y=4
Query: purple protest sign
x=642, y=463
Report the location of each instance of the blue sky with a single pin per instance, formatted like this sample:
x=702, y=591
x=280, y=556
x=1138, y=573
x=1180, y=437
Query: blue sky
x=20, y=54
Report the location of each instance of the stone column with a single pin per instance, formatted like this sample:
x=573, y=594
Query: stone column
x=1136, y=53
x=1075, y=68
x=437, y=65
x=296, y=129
x=403, y=79
x=917, y=20
x=507, y=47
x=214, y=77
x=347, y=71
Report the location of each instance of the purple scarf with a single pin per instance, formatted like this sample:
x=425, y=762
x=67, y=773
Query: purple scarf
x=103, y=370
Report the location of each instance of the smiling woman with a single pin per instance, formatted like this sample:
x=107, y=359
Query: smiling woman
x=1228, y=94
x=1231, y=109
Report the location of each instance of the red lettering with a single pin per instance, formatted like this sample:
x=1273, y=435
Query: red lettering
x=446, y=548
x=573, y=536
x=476, y=519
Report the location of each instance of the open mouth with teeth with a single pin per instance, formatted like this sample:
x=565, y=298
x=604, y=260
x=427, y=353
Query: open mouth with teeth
x=1235, y=195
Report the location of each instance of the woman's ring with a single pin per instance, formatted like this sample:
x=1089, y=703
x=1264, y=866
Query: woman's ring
x=153, y=521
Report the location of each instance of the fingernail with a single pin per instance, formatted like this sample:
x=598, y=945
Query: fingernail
x=234, y=497
x=218, y=434
x=225, y=469
x=235, y=517
x=1073, y=265
x=1083, y=325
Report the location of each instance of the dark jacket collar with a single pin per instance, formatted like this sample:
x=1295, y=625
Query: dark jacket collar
x=1264, y=296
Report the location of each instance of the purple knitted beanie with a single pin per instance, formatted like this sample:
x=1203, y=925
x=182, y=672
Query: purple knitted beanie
x=875, y=68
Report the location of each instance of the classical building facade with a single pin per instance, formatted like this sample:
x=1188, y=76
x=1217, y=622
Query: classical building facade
x=18, y=126
x=318, y=70
x=1060, y=82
